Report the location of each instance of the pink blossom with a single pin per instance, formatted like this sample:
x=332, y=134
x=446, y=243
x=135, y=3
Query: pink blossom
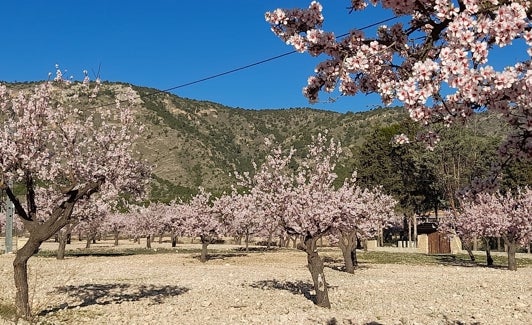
x=439, y=59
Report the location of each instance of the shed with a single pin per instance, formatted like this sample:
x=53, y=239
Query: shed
x=431, y=241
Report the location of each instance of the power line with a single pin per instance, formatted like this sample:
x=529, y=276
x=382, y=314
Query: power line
x=223, y=73
x=240, y=68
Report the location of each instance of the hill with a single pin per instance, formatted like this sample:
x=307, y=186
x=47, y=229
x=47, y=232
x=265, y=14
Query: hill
x=195, y=143
x=198, y=143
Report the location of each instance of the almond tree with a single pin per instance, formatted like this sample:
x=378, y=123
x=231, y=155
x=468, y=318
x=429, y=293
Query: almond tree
x=239, y=214
x=91, y=215
x=201, y=220
x=312, y=209
x=363, y=214
x=116, y=223
x=174, y=220
x=506, y=215
x=46, y=139
x=435, y=61
x=146, y=221
x=269, y=186
x=303, y=201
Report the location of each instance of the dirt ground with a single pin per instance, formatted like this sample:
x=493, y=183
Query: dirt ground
x=263, y=288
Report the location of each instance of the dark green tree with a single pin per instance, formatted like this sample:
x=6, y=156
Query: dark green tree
x=400, y=169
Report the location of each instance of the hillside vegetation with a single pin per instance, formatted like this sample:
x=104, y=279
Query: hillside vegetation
x=195, y=143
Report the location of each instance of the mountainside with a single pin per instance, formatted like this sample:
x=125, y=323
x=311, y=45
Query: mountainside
x=198, y=143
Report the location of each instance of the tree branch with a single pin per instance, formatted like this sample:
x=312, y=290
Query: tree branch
x=30, y=194
x=19, y=209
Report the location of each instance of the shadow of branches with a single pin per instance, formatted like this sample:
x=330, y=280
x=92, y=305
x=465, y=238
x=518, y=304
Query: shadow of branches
x=220, y=256
x=452, y=260
x=296, y=288
x=333, y=321
x=104, y=294
x=338, y=264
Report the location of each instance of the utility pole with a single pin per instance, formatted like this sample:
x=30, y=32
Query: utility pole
x=10, y=208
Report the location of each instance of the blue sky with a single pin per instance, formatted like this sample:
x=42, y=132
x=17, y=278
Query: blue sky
x=166, y=43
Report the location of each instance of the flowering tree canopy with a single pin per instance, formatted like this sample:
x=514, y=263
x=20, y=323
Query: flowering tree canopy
x=436, y=60
x=47, y=141
x=362, y=214
x=302, y=201
x=43, y=139
x=269, y=187
x=506, y=215
x=116, y=223
x=200, y=219
x=147, y=221
x=239, y=215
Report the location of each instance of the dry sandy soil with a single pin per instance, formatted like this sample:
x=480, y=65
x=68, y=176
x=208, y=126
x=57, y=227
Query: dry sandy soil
x=265, y=288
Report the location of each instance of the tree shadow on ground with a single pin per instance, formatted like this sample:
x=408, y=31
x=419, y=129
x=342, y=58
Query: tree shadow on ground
x=452, y=260
x=332, y=260
x=113, y=293
x=338, y=264
x=333, y=321
x=220, y=256
x=256, y=249
x=296, y=288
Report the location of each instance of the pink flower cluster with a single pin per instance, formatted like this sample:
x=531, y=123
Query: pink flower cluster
x=508, y=216
x=45, y=147
x=437, y=66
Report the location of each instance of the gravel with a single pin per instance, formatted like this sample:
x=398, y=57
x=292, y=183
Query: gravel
x=265, y=288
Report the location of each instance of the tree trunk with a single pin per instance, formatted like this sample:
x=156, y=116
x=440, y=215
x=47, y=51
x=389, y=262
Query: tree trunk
x=467, y=245
x=161, y=238
x=409, y=221
x=315, y=265
x=174, y=240
x=204, y=245
x=148, y=241
x=512, y=249
x=347, y=244
x=489, y=259
x=88, y=241
x=348, y=261
x=283, y=241
x=470, y=253
x=246, y=239
x=116, y=238
x=40, y=232
x=270, y=237
x=20, y=265
x=62, y=238
x=414, y=222
x=354, y=259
